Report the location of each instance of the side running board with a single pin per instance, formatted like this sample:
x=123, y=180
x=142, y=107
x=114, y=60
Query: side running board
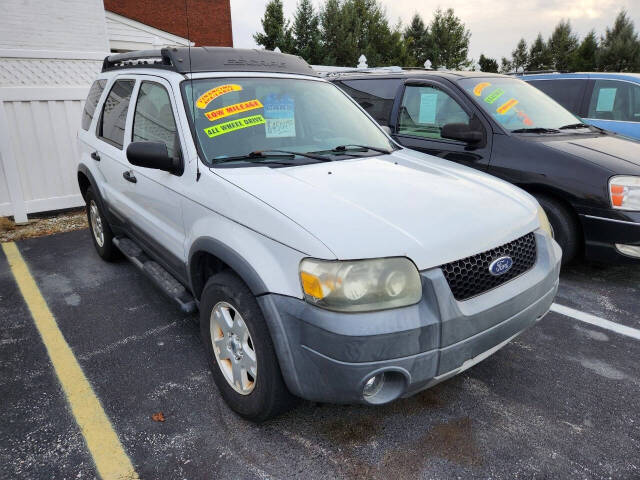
x=158, y=275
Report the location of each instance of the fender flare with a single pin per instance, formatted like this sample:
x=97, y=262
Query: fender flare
x=229, y=257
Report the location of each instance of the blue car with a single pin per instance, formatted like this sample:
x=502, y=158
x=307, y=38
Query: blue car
x=606, y=100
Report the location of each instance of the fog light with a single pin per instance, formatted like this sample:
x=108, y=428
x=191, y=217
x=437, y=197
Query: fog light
x=631, y=250
x=373, y=385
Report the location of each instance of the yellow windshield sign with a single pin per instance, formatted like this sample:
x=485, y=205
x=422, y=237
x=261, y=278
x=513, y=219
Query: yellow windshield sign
x=219, y=113
x=477, y=90
x=233, y=125
x=505, y=107
x=214, y=93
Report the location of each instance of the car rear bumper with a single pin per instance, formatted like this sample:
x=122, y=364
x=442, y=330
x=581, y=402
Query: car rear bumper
x=604, y=235
x=328, y=356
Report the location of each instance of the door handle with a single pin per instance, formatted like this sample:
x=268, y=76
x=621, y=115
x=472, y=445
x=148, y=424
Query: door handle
x=95, y=156
x=129, y=176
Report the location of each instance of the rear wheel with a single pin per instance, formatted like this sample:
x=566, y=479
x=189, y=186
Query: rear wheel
x=566, y=230
x=240, y=351
x=100, y=231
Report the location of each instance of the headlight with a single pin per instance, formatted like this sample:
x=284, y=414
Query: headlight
x=625, y=193
x=360, y=285
x=544, y=222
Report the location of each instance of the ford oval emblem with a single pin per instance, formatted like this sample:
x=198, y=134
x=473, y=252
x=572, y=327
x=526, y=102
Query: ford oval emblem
x=500, y=266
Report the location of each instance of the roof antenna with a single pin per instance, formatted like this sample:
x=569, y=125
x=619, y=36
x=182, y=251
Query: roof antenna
x=193, y=103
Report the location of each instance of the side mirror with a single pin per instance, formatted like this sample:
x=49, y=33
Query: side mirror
x=462, y=132
x=153, y=155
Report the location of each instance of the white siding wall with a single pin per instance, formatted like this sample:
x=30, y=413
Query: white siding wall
x=50, y=51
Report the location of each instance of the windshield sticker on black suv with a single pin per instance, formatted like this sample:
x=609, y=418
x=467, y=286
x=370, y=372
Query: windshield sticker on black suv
x=219, y=113
x=279, y=113
x=493, y=96
x=233, y=125
x=214, y=93
x=506, y=106
x=477, y=90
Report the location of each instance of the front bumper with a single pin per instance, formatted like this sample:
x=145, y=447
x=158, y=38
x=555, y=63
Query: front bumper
x=602, y=233
x=328, y=356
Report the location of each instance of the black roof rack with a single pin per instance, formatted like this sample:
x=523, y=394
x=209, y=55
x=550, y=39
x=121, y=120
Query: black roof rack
x=210, y=59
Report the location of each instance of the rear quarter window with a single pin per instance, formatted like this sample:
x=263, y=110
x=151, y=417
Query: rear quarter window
x=114, y=113
x=375, y=96
x=95, y=92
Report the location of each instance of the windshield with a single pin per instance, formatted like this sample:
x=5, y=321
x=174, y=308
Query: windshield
x=234, y=117
x=518, y=106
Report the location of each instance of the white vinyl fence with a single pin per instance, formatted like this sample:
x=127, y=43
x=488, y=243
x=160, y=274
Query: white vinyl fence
x=38, y=127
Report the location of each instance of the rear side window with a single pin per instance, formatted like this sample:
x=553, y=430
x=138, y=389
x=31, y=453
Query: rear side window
x=95, y=92
x=153, y=120
x=114, y=113
x=567, y=93
x=615, y=100
x=375, y=96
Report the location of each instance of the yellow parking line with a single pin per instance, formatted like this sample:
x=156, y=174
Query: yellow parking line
x=110, y=458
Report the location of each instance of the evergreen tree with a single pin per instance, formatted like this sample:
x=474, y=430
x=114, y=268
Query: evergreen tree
x=416, y=40
x=520, y=56
x=488, y=64
x=620, y=47
x=332, y=36
x=505, y=65
x=275, y=29
x=539, y=55
x=584, y=57
x=449, y=41
x=306, y=32
x=562, y=44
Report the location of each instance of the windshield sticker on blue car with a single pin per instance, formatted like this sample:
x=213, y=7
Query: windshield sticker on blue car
x=279, y=115
x=428, y=104
x=493, y=96
x=606, y=99
x=233, y=125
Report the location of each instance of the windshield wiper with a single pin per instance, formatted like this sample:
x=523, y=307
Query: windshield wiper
x=536, y=130
x=574, y=126
x=344, y=148
x=271, y=154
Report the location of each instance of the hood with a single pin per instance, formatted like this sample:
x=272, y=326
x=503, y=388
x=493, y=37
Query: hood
x=621, y=155
x=403, y=204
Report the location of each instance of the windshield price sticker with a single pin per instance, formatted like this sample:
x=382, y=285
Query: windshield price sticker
x=508, y=105
x=477, y=90
x=493, y=96
x=214, y=93
x=279, y=112
x=233, y=125
x=219, y=113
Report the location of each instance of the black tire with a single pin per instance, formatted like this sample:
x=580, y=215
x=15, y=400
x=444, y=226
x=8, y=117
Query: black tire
x=270, y=396
x=566, y=230
x=107, y=251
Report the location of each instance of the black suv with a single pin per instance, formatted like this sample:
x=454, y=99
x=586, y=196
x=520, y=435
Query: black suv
x=587, y=180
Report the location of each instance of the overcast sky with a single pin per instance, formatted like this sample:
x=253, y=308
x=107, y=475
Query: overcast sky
x=495, y=25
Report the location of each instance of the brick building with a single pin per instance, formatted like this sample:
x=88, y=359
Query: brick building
x=209, y=20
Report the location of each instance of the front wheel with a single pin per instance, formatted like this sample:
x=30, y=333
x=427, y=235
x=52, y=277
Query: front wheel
x=565, y=227
x=240, y=351
x=100, y=231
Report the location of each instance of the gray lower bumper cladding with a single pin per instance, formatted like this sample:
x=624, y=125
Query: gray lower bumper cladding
x=329, y=357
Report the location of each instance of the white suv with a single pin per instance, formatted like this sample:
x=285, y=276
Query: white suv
x=327, y=262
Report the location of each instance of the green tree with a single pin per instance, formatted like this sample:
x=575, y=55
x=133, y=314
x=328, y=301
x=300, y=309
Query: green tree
x=520, y=56
x=306, y=32
x=620, y=47
x=505, y=65
x=584, y=57
x=416, y=42
x=562, y=44
x=539, y=55
x=277, y=32
x=488, y=64
x=450, y=41
x=332, y=36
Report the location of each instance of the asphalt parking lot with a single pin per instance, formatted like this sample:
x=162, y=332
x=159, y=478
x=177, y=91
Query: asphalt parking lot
x=561, y=401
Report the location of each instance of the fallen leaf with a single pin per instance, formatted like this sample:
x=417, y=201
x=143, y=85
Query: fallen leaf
x=158, y=417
